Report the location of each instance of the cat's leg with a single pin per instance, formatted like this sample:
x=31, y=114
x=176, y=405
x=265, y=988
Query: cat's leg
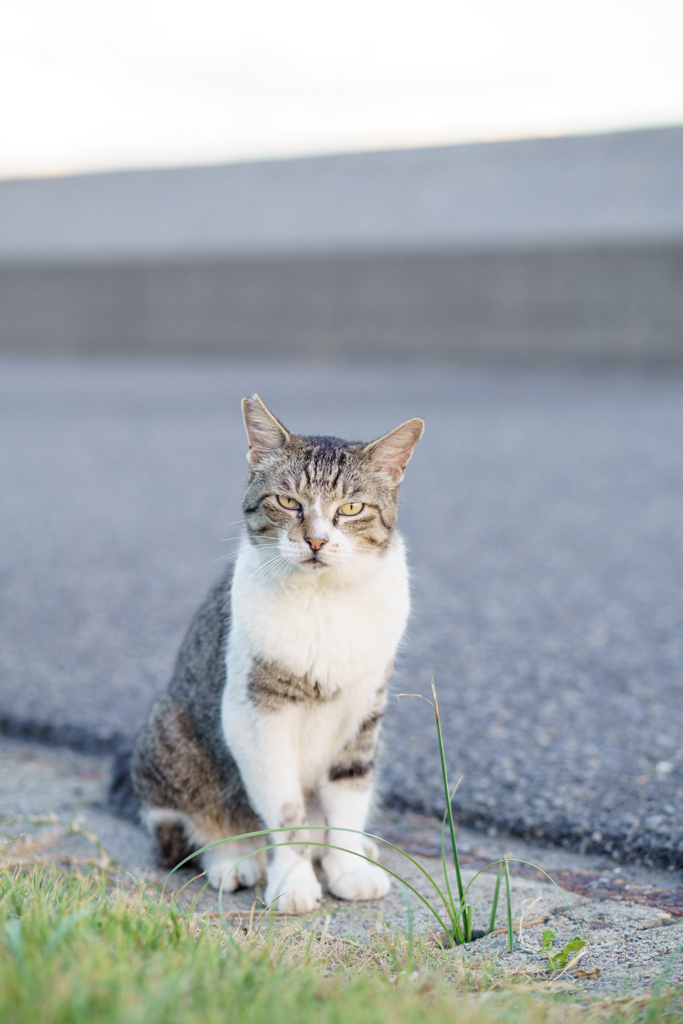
x=346, y=796
x=263, y=746
x=292, y=884
x=183, y=803
x=348, y=874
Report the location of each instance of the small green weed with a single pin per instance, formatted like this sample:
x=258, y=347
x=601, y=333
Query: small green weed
x=561, y=960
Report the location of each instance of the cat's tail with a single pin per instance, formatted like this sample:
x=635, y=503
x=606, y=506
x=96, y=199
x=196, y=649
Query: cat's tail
x=121, y=799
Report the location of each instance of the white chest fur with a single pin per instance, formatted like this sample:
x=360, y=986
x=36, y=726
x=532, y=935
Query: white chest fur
x=339, y=629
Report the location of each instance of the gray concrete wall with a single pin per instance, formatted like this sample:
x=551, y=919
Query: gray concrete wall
x=620, y=303
x=560, y=249
x=621, y=188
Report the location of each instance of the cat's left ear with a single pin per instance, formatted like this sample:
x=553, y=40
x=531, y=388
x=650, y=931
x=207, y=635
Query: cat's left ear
x=390, y=454
x=266, y=434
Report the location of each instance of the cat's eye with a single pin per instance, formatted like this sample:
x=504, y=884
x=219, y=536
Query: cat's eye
x=288, y=502
x=351, y=508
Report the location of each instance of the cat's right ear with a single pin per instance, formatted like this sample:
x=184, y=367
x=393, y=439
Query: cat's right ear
x=266, y=434
x=389, y=455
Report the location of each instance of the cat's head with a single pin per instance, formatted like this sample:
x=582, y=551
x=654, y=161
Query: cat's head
x=320, y=502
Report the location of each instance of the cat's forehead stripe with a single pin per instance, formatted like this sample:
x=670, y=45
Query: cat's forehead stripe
x=323, y=463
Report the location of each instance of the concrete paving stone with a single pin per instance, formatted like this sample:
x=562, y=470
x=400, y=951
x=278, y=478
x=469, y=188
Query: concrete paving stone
x=543, y=515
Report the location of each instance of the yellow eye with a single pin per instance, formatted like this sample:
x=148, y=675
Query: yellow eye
x=288, y=502
x=352, y=508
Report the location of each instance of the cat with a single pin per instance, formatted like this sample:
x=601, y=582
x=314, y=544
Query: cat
x=273, y=713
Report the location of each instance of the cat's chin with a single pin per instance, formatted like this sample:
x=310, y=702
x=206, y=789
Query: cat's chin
x=314, y=565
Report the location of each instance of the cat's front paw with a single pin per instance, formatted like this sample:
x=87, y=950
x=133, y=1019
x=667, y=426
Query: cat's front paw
x=300, y=898
x=295, y=891
x=365, y=882
x=229, y=875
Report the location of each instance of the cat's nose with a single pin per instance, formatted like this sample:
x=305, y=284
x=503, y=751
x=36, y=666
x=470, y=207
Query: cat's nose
x=316, y=542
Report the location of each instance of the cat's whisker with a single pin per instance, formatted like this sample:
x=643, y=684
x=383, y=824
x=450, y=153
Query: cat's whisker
x=355, y=576
x=264, y=581
x=262, y=568
x=347, y=569
x=271, y=571
x=222, y=558
x=235, y=550
x=342, y=570
x=265, y=544
x=254, y=578
x=265, y=565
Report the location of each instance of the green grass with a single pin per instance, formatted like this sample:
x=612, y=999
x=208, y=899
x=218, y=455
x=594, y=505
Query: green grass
x=74, y=952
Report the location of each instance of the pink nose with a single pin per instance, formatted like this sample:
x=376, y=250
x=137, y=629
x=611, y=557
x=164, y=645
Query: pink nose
x=316, y=542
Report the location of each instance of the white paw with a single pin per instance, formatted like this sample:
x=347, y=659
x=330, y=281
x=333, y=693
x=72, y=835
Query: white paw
x=227, y=881
x=230, y=875
x=365, y=882
x=295, y=891
x=299, y=899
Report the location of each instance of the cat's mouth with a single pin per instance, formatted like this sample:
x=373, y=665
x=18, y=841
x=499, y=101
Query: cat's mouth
x=315, y=563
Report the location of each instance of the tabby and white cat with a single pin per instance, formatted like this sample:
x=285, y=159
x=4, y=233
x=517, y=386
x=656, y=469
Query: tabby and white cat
x=273, y=713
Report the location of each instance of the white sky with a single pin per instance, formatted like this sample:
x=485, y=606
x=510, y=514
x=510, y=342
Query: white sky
x=96, y=84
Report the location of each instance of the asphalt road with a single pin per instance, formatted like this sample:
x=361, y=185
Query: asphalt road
x=544, y=513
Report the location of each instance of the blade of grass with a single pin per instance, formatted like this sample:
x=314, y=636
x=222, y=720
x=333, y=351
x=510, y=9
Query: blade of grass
x=467, y=920
x=496, y=894
x=508, y=898
x=456, y=933
x=449, y=811
x=449, y=807
x=308, y=947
